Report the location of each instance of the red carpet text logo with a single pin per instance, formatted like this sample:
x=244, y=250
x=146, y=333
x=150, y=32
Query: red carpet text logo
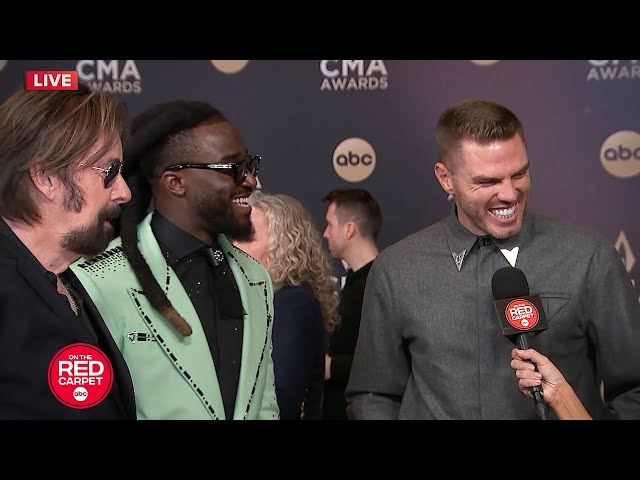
x=51, y=80
x=522, y=314
x=80, y=375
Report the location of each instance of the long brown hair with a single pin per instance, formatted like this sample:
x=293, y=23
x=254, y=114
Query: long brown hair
x=54, y=131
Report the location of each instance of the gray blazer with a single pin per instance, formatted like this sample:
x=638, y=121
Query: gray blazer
x=430, y=345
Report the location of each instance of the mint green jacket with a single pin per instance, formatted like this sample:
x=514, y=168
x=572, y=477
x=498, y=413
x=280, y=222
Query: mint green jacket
x=174, y=376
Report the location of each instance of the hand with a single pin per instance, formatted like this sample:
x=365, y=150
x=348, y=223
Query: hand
x=556, y=391
x=548, y=376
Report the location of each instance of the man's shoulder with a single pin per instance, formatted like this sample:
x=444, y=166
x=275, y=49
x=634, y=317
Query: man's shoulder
x=249, y=265
x=420, y=241
x=110, y=262
x=567, y=230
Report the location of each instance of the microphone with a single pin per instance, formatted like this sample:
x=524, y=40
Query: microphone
x=520, y=315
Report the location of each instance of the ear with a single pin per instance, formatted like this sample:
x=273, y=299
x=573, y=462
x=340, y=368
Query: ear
x=44, y=181
x=173, y=182
x=350, y=229
x=444, y=177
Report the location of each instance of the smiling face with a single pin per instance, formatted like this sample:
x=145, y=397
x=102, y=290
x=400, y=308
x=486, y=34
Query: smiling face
x=490, y=184
x=213, y=201
x=90, y=220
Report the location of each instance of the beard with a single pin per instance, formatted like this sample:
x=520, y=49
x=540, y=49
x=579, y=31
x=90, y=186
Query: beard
x=92, y=239
x=217, y=214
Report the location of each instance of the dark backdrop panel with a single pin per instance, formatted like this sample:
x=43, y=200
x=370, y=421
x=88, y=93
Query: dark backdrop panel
x=569, y=109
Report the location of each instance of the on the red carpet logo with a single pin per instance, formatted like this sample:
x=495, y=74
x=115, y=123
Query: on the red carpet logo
x=51, y=80
x=80, y=375
x=521, y=314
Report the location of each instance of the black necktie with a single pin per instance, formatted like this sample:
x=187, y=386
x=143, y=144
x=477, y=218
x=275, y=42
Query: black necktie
x=227, y=293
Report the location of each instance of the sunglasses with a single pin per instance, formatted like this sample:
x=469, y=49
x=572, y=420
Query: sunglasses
x=238, y=170
x=110, y=173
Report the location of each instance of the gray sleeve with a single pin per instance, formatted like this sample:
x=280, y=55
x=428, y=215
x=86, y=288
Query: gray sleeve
x=615, y=331
x=381, y=367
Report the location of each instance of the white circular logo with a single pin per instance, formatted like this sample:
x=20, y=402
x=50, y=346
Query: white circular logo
x=620, y=154
x=229, y=66
x=354, y=159
x=80, y=394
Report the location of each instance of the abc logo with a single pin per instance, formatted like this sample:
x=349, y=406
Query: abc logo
x=620, y=154
x=354, y=159
x=80, y=394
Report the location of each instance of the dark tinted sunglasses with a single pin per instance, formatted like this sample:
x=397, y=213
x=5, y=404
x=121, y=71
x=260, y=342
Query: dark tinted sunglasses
x=110, y=173
x=239, y=170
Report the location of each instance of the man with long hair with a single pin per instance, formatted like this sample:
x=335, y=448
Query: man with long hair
x=60, y=193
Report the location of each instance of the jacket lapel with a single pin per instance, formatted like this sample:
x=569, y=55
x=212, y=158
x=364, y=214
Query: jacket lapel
x=254, y=342
x=123, y=385
x=190, y=355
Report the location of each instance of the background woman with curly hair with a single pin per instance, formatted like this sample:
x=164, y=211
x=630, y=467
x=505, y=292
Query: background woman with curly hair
x=306, y=299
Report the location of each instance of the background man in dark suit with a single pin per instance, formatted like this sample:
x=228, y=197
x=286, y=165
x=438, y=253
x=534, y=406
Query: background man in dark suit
x=353, y=222
x=60, y=190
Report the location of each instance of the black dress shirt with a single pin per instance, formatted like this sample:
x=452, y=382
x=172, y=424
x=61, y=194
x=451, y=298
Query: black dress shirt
x=211, y=286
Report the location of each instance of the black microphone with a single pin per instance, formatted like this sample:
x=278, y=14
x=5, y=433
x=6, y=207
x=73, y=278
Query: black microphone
x=520, y=315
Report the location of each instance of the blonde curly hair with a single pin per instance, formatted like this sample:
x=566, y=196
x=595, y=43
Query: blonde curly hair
x=294, y=251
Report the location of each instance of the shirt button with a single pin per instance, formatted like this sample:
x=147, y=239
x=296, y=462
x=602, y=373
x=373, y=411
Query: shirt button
x=486, y=242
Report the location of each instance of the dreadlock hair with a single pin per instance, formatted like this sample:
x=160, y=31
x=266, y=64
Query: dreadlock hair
x=150, y=146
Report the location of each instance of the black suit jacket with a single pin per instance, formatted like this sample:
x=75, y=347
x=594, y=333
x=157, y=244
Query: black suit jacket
x=35, y=323
x=342, y=343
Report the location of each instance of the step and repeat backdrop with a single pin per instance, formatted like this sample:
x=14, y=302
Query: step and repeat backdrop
x=324, y=124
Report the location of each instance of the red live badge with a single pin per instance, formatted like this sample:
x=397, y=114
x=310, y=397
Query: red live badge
x=51, y=80
x=80, y=375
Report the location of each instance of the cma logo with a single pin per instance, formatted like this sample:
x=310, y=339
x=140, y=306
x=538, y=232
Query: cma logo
x=110, y=76
x=341, y=75
x=620, y=154
x=613, y=70
x=354, y=159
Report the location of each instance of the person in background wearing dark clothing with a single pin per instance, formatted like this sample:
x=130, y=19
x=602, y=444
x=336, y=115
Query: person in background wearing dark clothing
x=305, y=301
x=60, y=191
x=430, y=346
x=191, y=313
x=353, y=220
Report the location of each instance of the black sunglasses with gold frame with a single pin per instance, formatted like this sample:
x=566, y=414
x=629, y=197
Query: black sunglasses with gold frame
x=239, y=170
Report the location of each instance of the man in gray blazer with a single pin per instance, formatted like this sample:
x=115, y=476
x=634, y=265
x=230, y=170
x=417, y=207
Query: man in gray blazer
x=430, y=345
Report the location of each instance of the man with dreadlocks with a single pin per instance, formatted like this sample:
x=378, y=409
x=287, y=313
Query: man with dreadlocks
x=191, y=313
